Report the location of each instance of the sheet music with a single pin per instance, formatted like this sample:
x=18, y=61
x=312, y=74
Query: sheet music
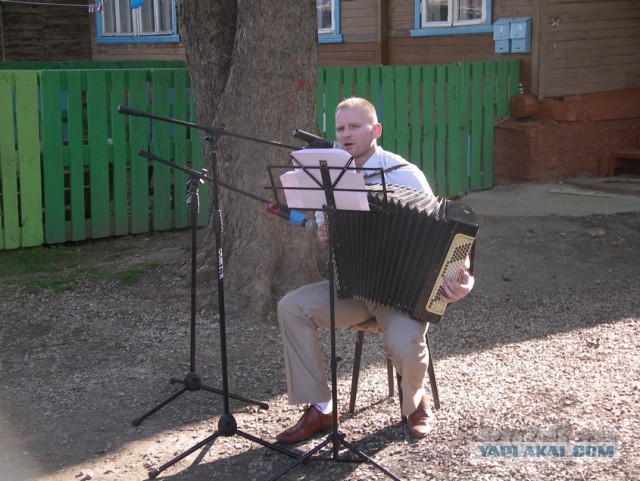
x=314, y=197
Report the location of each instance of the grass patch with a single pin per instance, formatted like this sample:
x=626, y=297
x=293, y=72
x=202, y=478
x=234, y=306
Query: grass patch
x=135, y=273
x=56, y=283
x=58, y=269
x=38, y=259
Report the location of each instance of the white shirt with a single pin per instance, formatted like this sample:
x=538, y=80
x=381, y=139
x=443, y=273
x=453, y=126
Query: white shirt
x=408, y=175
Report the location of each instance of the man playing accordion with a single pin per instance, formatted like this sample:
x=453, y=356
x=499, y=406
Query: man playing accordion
x=302, y=312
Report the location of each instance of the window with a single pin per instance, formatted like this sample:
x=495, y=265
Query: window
x=328, y=16
x=153, y=21
x=452, y=17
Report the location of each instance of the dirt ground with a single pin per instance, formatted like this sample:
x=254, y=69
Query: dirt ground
x=546, y=349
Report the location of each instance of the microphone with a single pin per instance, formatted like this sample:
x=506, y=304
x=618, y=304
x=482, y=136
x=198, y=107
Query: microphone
x=295, y=217
x=315, y=142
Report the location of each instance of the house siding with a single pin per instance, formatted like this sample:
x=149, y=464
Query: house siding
x=590, y=46
x=37, y=32
x=392, y=43
x=578, y=46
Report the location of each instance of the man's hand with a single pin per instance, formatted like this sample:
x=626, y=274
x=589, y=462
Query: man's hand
x=455, y=289
x=323, y=236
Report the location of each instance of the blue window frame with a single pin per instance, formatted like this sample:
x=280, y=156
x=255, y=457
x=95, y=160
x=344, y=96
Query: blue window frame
x=154, y=21
x=452, y=17
x=328, y=15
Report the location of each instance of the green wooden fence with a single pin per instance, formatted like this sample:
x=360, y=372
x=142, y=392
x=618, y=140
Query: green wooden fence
x=440, y=118
x=69, y=163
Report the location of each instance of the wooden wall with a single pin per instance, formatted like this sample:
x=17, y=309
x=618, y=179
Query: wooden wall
x=589, y=46
x=363, y=28
x=392, y=44
x=578, y=46
x=359, y=20
x=44, y=32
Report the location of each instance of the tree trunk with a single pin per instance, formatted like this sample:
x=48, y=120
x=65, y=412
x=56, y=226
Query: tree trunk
x=253, y=68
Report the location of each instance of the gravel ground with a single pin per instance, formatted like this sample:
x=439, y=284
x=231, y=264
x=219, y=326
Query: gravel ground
x=544, y=352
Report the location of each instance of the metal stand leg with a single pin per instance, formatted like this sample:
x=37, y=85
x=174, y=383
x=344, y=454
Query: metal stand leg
x=191, y=380
x=227, y=425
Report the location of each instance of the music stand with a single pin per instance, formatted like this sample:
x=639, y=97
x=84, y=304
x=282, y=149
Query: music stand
x=330, y=185
x=227, y=425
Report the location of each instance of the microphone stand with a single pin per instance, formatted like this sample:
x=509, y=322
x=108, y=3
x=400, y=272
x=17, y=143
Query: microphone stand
x=227, y=425
x=191, y=380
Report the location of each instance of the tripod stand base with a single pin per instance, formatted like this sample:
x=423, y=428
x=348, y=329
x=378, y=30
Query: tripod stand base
x=227, y=426
x=192, y=382
x=336, y=438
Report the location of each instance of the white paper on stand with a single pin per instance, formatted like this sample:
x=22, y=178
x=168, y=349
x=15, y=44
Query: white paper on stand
x=312, y=196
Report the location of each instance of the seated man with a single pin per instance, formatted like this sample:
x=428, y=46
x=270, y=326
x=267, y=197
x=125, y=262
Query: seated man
x=303, y=311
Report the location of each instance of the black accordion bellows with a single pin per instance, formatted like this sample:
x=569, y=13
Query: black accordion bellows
x=399, y=252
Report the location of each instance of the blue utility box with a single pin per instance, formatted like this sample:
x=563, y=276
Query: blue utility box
x=501, y=32
x=520, y=35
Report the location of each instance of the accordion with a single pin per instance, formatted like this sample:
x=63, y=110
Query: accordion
x=399, y=253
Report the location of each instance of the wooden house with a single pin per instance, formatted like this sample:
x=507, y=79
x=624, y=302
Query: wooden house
x=580, y=60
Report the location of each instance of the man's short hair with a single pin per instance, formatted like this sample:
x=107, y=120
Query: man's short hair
x=359, y=102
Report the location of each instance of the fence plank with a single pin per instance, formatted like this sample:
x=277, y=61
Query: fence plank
x=180, y=149
x=463, y=129
x=440, y=167
x=362, y=82
x=118, y=155
x=375, y=89
x=98, y=134
x=332, y=95
x=52, y=156
x=489, y=117
x=387, y=110
x=454, y=153
x=477, y=127
x=428, y=124
x=138, y=140
x=415, y=122
x=29, y=164
x=78, y=153
x=502, y=92
x=160, y=81
x=9, y=218
x=402, y=100
x=348, y=83
x=514, y=79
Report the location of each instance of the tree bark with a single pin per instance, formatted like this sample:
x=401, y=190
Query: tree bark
x=253, y=68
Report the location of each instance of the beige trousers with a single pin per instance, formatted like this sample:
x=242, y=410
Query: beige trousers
x=303, y=311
